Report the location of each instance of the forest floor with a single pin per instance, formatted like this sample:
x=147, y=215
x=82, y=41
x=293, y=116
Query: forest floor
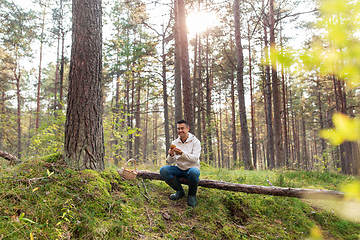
x=42, y=199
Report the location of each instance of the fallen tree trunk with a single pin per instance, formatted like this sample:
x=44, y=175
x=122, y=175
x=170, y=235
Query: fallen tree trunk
x=9, y=157
x=255, y=189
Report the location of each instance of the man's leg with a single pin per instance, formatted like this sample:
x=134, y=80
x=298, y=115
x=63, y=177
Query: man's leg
x=193, y=176
x=169, y=174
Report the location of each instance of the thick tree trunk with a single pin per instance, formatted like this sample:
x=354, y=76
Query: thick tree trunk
x=254, y=189
x=245, y=140
x=84, y=135
x=185, y=68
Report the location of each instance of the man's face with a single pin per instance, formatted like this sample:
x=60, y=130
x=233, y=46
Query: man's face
x=183, y=130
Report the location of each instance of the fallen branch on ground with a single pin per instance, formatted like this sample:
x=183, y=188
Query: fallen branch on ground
x=9, y=157
x=255, y=189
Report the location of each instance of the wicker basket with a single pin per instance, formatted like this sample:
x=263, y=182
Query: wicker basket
x=127, y=173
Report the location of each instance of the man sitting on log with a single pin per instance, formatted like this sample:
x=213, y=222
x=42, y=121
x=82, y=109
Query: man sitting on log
x=185, y=151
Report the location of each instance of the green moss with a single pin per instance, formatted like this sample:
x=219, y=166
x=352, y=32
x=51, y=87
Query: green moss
x=52, y=158
x=100, y=205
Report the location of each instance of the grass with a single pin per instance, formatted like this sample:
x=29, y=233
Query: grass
x=41, y=198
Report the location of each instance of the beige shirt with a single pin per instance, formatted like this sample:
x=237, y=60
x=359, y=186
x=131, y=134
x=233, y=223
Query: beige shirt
x=191, y=149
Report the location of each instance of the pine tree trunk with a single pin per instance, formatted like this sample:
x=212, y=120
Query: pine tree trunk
x=137, y=120
x=276, y=93
x=270, y=132
x=233, y=113
x=185, y=68
x=165, y=96
x=84, y=135
x=199, y=93
x=245, y=140
x=17, y=76
x=208, y=104
x=177, y=57
x=252, y=108
x=40, y=69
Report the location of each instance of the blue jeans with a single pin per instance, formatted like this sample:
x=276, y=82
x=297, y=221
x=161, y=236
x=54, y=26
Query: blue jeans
x=168, y=172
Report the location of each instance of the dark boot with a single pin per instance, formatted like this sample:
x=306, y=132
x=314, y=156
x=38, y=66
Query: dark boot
x=192, y=194
x=176, y=185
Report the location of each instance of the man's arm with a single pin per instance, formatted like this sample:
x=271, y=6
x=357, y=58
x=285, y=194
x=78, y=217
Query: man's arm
x=194, y=156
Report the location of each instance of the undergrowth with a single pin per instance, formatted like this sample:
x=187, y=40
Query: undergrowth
x=42, y=199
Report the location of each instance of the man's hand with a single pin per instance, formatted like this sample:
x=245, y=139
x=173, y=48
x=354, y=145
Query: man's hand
x=175, y=150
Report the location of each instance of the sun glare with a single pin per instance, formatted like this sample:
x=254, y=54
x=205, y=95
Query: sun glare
x=198, y=22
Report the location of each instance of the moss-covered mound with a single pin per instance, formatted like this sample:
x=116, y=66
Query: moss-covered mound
x=42, y=199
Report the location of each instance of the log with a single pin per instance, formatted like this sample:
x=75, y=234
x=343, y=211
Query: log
x=9, y=157
x=255, y=189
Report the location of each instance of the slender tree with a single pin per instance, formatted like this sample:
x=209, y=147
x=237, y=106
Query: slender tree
x=185, y=68
x=245, y=140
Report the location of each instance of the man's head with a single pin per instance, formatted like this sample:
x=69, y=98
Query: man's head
x=183, y=129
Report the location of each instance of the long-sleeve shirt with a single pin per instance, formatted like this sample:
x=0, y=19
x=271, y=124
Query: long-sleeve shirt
x=191, y=150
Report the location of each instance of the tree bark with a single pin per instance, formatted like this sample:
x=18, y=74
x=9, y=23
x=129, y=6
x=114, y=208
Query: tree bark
x=233, y=113
x=254, y=189
x=84, y=135
x=276, y=93
x=9, y=157
x=40, y=70
x=185, y=68
x=165, y=95
x=177, y=57
x=245, y=140
x=208, y=103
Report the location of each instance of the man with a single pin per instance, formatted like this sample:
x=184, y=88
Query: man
x=185, y=151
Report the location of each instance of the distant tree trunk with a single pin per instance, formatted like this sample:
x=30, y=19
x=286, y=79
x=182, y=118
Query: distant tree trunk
x=194, y=82
x=245, y=140
x=208, y=103
x=269, y=116
x=276, y=93
x=137, y=120
x=286, y=144
x=165, y=95
x=252, y=107
x=84, y=135
x=62, y=66
x=2, y=108
x=146, y=124
x=116, y=112
x=233, y=113
x=57, y=74
x=17, y=76
x=323, y=147
x=199, y=91
x=62, y=62
x=155, y=135
x=177, y=57
x=305, y=158
x=185, y=68
x=40, y=69
x=131, y=136
x=221, y=143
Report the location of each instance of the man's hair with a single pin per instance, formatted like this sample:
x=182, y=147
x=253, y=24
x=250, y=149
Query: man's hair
x=183, y=121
